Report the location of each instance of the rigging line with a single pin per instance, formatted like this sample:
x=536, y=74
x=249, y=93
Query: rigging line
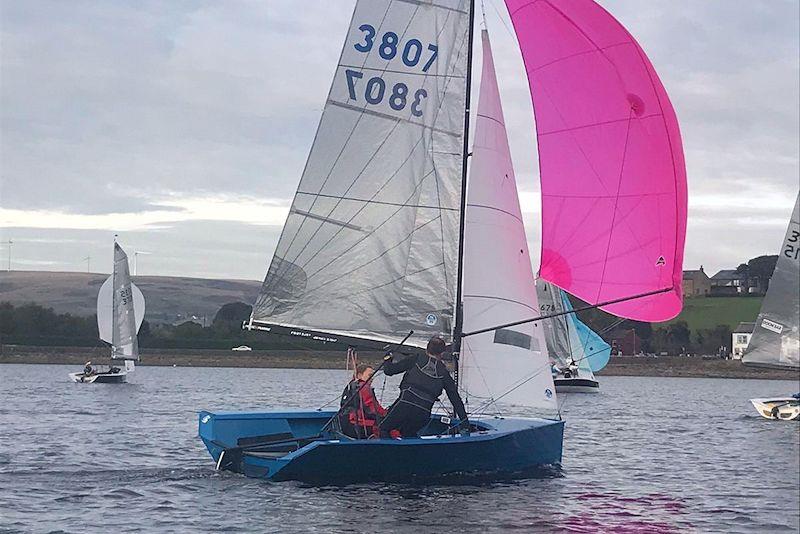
x=502, y=20
x=397, y=279
x=566, y=324
x=379, y=256
x=480, y=371
x=449, y=291
x=420, y=140
x=367, y=235
x=349, y=136
x=524, y=381
x=277, y=279
x=418, y=271
x=520, y=383
x=441, y=226
x=339, y=201
x=428, y=142
x=381, y=202
x=576, y=310
x=369, y=161
x=394, y=175
x=590, y=164
x=616, y=203
x=444, y=408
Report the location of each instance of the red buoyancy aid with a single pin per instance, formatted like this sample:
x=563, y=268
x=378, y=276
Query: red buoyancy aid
x=367, y=409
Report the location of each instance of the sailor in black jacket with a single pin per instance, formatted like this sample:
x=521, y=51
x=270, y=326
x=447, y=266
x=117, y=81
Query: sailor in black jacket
x=425, y=378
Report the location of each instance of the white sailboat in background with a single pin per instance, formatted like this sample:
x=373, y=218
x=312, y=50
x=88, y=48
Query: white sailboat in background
x=570, y=354
x=776, y=338
x=120, y=311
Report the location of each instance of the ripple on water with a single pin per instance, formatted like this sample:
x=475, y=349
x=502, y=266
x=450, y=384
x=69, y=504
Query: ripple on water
x=129, y=458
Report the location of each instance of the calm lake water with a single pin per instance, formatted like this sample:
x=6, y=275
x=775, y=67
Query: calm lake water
x=645, y=455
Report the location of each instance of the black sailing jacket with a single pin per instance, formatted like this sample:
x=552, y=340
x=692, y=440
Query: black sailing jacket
x=428, y=376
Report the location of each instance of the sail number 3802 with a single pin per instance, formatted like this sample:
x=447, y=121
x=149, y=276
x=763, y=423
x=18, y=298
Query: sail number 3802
x=389, y=47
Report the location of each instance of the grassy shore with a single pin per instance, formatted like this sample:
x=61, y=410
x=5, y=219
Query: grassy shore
x=708, y=312
x=295, y=359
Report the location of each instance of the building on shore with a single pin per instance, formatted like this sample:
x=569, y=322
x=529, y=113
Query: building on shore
x=740, y=338
x=696, y=283
x=728, y=282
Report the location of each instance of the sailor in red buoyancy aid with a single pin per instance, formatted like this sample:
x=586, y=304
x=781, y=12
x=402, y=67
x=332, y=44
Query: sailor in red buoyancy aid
x=361, y=417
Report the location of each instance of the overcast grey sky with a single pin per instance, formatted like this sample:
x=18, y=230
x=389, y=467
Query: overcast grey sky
x=184, y=125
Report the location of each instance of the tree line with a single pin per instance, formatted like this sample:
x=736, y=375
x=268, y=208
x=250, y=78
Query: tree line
x=32, y=324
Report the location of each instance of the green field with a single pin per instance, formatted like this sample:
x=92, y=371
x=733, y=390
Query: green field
x=705, y=313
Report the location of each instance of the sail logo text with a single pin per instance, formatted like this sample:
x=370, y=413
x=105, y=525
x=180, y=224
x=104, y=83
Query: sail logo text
x=772, y=326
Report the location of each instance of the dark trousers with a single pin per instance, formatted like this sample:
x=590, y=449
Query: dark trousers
x=408, y=414
x=354, y=431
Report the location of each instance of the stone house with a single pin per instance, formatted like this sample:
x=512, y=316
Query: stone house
x=696, y=283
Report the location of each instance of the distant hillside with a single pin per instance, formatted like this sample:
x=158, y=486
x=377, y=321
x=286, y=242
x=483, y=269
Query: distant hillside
x=169, y=299
x=708, y=312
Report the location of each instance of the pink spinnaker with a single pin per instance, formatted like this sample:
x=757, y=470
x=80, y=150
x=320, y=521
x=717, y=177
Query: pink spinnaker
x=611, y=159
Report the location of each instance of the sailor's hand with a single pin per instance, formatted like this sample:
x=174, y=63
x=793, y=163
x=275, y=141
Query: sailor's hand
x=463, y=426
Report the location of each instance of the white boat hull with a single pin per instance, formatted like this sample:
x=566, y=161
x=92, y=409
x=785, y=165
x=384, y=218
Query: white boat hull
x=576, y=385
x=781, y=408
x=99, y=378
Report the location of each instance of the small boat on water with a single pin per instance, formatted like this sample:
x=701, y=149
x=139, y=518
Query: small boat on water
x=120, y=311
x=385, y=242
x=575, y=349
x=782, y=408
x=776, y=338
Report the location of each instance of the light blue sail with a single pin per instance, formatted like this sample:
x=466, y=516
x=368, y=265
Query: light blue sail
x=596, y=352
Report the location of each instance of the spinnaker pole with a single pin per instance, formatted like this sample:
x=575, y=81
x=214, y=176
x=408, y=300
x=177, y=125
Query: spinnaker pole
x=459, y=322
x=559, y=314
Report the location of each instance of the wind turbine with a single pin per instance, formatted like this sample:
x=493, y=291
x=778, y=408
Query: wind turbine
x=136, y=258
x=9, y=243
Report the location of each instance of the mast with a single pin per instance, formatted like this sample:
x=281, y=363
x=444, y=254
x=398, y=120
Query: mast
x=459, y=322
x=114, y=335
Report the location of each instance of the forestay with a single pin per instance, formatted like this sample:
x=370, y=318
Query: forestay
x=369, y=248
x=776, y=338
x=508, y=365
x=611, y=159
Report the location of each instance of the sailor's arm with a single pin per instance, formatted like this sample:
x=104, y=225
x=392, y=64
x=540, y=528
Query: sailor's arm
x=392, y=367
x=455, y=399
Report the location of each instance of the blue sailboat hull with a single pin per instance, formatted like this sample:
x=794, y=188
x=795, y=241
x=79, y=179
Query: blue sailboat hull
x=498, y=448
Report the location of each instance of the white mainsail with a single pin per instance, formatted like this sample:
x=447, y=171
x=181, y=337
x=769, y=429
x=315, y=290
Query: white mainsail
x=776, y=338
x=508, y=365
x=120, y=310
x=370, y=245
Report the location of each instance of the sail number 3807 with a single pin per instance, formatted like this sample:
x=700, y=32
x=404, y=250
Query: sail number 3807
x=389, y=47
